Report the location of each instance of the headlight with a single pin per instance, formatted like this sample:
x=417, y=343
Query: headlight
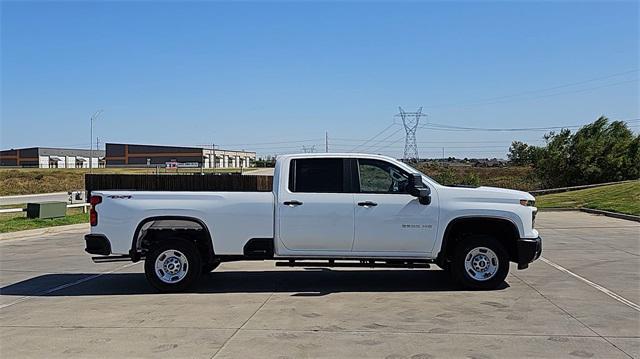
x=528, y=202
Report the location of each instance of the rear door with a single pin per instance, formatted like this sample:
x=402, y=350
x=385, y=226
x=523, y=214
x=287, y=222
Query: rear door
x=315, y=210
x=387, y=218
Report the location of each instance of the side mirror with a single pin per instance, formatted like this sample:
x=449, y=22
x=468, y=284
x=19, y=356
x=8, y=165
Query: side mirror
x=418, y=189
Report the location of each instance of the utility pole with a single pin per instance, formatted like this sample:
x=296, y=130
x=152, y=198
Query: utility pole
x=93, y=118
x=326, y=141
x=98, y=149
x=213, y=149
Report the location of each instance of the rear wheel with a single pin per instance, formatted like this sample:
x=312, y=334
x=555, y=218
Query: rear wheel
x=480, y=262
x=173, y=265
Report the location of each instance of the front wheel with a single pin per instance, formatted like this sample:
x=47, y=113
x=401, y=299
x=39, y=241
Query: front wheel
x=480, y=262
x=173, y=265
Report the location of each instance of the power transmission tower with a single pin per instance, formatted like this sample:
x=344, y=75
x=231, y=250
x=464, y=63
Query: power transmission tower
x=309, y=149
x=410, y=120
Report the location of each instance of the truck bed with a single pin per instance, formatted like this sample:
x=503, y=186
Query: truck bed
x=232, y=218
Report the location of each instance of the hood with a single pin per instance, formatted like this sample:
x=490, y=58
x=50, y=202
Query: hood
x=508, y=192
x=488, y=194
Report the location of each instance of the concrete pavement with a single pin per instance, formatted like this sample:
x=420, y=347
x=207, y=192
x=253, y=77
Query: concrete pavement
x=55, y=302
x=42, y=197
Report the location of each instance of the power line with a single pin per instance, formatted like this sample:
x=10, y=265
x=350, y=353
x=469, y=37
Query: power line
x=267, y=143
x=421, y=147
x=282, y=147
x=375, y=136
x=442, y=127
x=384, y=139
x=564, y=92
x=394, y=142
x=461, y=141
x=491, y=100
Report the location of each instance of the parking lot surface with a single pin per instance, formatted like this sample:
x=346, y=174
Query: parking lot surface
x=579, y=301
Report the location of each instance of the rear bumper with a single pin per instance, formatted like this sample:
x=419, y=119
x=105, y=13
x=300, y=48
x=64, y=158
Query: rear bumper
x=529, y=249
x=97, y=244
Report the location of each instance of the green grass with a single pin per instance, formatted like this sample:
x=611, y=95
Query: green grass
x=11, y=222
x=621, y=198
x=16, y=181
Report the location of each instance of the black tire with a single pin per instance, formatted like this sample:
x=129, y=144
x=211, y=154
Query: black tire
x=478, y=245
x=183, y=249
x=209, y=267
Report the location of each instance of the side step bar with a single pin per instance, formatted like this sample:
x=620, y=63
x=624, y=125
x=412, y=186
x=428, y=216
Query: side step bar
x=361, y=264
x=107, y=259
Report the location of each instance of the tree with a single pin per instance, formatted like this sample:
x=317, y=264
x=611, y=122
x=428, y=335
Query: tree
x=599, y=152
x=522, y=154
x=519, y=153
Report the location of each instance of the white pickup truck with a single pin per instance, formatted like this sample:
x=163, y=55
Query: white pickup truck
x=325, y=210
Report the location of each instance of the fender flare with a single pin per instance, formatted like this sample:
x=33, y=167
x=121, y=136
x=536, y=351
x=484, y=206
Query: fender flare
x=134, y=252
x=454, y=221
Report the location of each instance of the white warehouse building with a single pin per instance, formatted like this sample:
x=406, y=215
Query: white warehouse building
x=140, y=155
x=47, y=157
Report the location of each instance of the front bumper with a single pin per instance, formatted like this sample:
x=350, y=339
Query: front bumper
x=529, y=249
x=97, y=244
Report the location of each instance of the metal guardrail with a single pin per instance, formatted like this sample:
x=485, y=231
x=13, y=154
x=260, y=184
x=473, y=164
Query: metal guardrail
x=76, y=205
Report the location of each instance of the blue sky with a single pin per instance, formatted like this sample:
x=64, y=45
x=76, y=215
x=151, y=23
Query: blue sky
x=272, y=77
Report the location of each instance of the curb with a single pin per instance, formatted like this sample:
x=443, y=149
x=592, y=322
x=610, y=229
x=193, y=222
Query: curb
x=541, y=192
x=42, y=231
x=628, y=217
x=557, y=209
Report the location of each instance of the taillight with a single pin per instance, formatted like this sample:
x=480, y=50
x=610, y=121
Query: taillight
x=93, y=215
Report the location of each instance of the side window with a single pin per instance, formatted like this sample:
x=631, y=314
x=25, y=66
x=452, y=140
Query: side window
x=317, y=175
x=381, y=177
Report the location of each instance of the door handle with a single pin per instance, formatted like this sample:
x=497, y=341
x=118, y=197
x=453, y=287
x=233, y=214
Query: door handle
x=292, y=203
x=367, y=204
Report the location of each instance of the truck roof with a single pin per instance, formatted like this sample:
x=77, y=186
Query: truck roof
x=335, y=155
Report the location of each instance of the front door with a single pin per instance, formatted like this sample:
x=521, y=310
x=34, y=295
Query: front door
x=315, y=212
x=387, y=218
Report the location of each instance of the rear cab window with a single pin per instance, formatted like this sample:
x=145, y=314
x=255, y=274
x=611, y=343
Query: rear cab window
x=317, y=175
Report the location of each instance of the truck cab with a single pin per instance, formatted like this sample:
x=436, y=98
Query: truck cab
x=325, y=210
x=361, y=207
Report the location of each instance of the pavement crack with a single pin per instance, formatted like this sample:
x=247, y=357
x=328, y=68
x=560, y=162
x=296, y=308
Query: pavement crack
x=242, y=326
x=345, y=331
x=571, y=315
x=63, y=286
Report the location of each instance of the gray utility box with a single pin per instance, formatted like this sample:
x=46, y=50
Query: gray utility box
x=46, y=209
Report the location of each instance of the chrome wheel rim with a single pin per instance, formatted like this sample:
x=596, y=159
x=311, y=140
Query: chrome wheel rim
x=171, y=266
x=481, y=263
